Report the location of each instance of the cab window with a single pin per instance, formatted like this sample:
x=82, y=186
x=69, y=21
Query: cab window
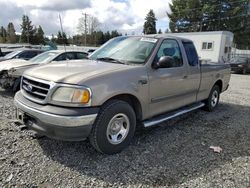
x=170, y=47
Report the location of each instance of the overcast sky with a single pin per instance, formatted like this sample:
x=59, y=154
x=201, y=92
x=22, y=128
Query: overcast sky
x=123, y=15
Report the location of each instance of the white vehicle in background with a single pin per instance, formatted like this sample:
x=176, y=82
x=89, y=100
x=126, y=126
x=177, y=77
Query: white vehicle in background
x=12, y=70
x=26, y=54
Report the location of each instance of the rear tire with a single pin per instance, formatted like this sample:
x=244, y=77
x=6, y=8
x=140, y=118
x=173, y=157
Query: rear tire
x=213, y=99
x=114, y=127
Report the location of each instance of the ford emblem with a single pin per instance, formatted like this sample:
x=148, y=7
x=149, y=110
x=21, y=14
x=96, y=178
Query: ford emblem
x=29, y=87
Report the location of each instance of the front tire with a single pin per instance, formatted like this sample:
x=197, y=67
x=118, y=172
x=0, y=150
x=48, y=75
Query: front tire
x=16, y=85
x=114, y=127
x=213, y=99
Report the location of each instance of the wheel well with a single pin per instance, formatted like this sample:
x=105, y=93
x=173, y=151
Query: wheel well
x=219, y=83
x=133, y=101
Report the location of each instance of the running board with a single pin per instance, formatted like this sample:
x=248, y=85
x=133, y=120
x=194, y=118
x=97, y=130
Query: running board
x=170, y=115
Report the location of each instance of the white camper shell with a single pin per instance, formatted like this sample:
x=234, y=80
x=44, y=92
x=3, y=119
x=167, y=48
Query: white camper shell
x=212, y=46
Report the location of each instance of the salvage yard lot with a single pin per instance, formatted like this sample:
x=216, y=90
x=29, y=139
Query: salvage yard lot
x=175, y=155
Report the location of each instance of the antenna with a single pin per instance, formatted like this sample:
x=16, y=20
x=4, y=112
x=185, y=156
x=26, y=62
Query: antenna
x=62, y=30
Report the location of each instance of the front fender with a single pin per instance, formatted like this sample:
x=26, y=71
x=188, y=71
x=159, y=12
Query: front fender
x=121, y=82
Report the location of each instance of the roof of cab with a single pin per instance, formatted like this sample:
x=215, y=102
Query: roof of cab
x=159, y=36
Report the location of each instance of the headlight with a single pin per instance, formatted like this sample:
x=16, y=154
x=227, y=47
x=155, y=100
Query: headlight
x=240, y=65
x=72, y=95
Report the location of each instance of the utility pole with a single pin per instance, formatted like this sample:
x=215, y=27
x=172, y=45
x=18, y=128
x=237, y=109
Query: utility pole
x=60, y=19
x=85, y=29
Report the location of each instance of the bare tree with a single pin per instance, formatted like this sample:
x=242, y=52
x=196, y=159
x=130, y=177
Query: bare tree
x=93, y=24
x=87, y=25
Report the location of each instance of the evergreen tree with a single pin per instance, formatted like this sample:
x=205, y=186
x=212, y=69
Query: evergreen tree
x=64, y=38
x=185, y=16
x=107, y=36
x=59, y=39
x=212, y=15
x=11, y=33
x=150, y=23
x=27, y=30
x=53, y=39
x=39, y=35
x=114, y=34
x=3, y=35
x=167, y=31
x=100, y=38
x=159, y=32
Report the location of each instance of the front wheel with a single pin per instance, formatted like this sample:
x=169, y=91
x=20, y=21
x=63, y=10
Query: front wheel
x=213, y=99
x=16, y=85
x=114, y=127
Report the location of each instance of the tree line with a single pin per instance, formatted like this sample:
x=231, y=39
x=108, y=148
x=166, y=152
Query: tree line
x=35, y=35
x=96, y=38
x=207, y=15
x=29, y=33
x=185, y=16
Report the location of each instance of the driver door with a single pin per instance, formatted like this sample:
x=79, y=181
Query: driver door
x=168, y=85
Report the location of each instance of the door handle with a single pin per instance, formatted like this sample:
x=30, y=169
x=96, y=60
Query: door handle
x=142, y=82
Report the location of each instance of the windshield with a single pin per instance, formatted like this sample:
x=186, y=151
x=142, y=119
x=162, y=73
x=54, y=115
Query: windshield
x=12, y=54
x=133, y=50
x=45, y=57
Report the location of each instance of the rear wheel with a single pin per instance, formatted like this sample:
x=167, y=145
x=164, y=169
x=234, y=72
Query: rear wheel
x=213, y=99
x=114, y=127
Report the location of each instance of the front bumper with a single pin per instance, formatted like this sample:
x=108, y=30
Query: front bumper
x=62, y=123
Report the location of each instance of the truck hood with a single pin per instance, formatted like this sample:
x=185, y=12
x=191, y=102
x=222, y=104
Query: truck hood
x=73, y=72
x=13, y=63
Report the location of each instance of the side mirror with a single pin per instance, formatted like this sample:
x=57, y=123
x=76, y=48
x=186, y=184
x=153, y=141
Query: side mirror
x=164, y=62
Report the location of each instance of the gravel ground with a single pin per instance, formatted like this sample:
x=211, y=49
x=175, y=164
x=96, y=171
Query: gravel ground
x=176, y=155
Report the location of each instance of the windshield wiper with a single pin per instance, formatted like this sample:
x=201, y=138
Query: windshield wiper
x=109, y=59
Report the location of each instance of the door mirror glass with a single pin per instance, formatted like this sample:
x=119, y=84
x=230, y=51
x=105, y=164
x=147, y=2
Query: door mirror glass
x=164, y=62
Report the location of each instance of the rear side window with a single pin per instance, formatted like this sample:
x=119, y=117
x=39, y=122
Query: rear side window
x=192, y=56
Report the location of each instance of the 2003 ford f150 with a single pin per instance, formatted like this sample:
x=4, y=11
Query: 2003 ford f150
x=128, y=82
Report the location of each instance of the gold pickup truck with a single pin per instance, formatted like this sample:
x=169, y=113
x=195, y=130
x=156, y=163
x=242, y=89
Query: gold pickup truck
x=130, y=81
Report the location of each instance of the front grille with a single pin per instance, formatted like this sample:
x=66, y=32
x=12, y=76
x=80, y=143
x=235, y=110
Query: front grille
x=35, y=89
